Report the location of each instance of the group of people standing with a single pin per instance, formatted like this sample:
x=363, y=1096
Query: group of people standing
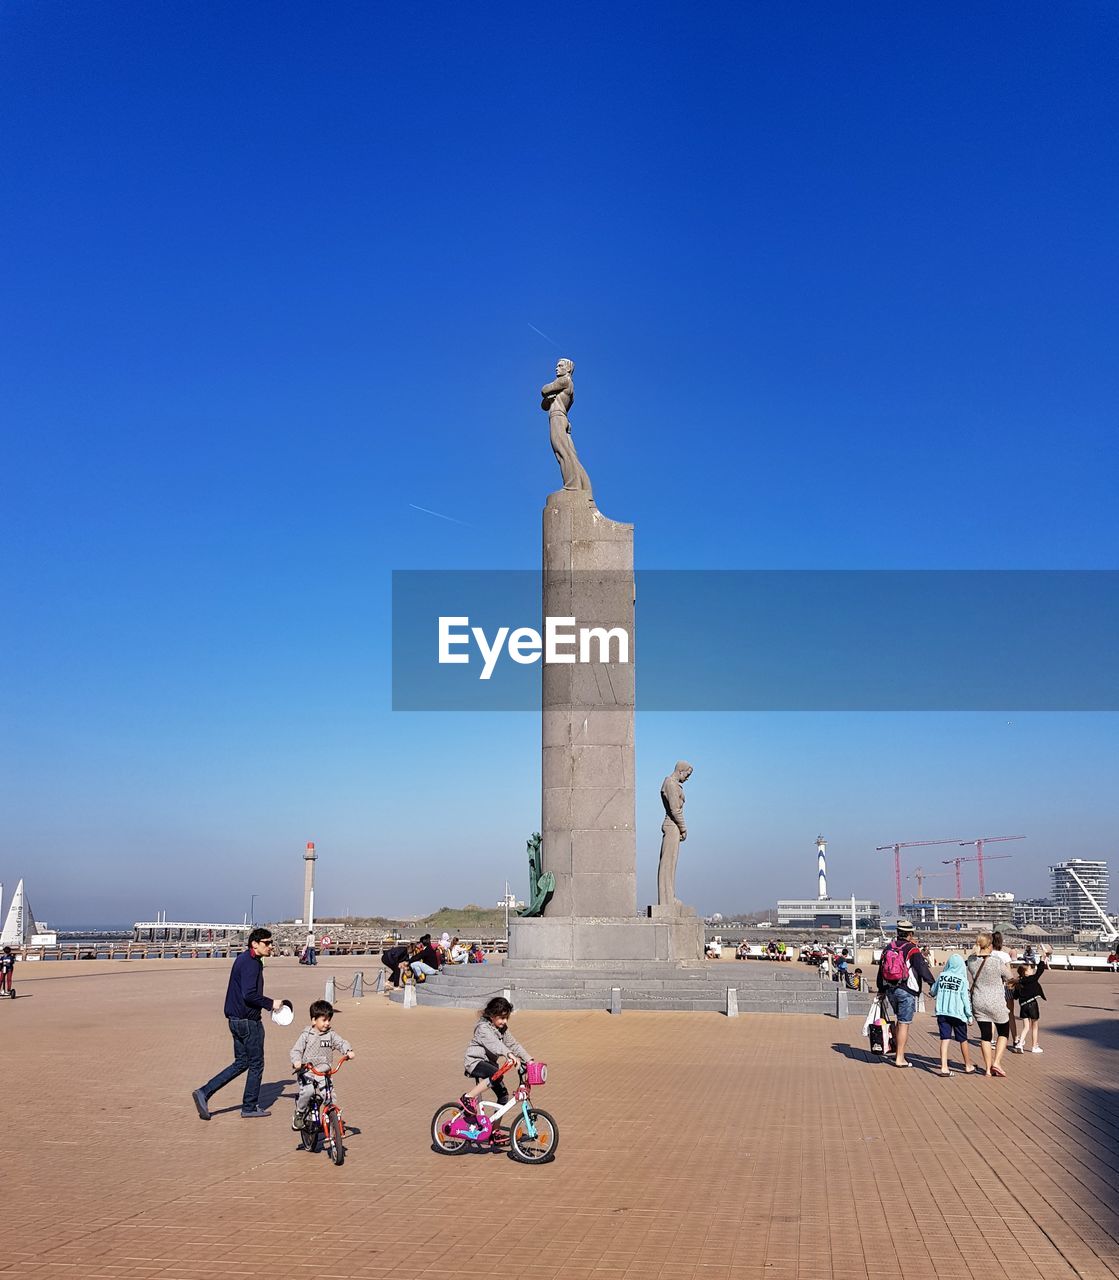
x=984, y=987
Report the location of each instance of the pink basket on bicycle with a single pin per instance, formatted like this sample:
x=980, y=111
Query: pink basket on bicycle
x=536, y=1072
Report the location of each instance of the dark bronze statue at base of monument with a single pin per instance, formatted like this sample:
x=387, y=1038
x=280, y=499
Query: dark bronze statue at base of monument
x=541, y=884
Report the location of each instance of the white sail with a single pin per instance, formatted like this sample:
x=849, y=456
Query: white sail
x=20, y=924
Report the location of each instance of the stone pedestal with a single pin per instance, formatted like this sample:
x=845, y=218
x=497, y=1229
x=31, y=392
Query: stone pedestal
x=558, y=942
x=675, y=912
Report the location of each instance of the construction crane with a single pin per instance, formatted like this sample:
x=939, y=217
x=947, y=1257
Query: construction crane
x=897, y=848
x=979, y=855
x=949, y=862
x=1108, y=933
x=921, y=875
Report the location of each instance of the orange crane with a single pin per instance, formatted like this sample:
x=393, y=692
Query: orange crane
x=897, y=848
x=979, y=854
x=994, y=857
x=921, y=875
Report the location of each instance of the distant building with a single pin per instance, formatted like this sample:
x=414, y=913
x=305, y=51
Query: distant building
x=1093, y=875
x=188, y=931
x=828, y=913
x=993, y=911
x=1040, y=911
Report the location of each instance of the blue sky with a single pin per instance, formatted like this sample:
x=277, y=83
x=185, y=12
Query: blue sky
x=840, y=285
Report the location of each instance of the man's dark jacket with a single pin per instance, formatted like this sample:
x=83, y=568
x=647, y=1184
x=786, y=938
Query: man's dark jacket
x=244, y=997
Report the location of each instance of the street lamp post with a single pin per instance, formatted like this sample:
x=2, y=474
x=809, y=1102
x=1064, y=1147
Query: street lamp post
x=510, y=900
x=252, y=910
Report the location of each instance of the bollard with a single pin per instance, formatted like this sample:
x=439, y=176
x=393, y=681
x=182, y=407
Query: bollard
x=615, y=999
x=409, y=995
x=358, y=991
x=330, y=990
x=841, y=1002
x=379, y=985
x=732, y=1002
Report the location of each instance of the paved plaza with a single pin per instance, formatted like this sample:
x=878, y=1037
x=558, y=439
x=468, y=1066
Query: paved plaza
x=692, y=1145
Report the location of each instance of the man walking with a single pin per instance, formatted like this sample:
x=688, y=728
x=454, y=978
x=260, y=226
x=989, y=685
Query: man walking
x=244, y=1000
x=901, y=971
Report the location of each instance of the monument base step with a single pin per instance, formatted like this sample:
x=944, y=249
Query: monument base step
x=653, y=985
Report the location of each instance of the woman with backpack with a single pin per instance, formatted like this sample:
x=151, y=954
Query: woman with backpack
x=988, y=977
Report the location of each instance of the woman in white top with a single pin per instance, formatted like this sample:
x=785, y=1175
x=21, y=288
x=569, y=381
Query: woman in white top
x=1004, y=957
x=987, y=978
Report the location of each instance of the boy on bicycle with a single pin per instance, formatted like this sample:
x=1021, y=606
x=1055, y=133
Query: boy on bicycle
x=314, y=1048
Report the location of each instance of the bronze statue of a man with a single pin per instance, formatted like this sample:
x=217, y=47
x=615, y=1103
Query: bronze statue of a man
x=673, y=831
x=556, y=399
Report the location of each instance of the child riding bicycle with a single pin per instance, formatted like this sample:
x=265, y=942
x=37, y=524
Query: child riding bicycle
x=314, y=1048
x=491, y=1046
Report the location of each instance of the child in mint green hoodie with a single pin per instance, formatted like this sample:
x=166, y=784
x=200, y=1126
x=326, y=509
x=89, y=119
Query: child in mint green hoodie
x=953, y=1010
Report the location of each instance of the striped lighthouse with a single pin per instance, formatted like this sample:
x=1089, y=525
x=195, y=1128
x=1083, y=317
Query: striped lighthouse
x=822, y=866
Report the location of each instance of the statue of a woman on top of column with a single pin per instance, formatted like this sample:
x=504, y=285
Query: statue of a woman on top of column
x=556, y=399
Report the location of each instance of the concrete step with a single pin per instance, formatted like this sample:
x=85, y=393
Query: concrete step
x=643, y=1001
x=723, y=976
x=760, y=988
x=639, y=997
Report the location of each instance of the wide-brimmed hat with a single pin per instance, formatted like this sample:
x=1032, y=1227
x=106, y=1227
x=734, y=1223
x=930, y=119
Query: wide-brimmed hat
x=906, y=926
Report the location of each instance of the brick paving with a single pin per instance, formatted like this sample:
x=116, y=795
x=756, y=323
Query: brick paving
x=692, y=1146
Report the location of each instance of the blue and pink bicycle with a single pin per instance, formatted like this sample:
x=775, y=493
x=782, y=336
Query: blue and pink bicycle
x=532, y=1135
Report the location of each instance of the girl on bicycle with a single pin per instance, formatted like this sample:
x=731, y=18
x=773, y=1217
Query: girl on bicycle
x=491, y=1046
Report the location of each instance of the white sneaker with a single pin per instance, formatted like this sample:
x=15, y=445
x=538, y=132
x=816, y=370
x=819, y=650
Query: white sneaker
x=1037, y=1049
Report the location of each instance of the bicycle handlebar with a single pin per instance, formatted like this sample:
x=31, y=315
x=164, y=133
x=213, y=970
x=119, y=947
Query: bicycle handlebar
x=306, y=1066
x=507, y=1067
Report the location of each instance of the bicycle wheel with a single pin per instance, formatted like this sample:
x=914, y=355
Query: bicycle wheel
x=527, y=1149
x=310, y=1134
x=337, y=1150
x=441, y=1123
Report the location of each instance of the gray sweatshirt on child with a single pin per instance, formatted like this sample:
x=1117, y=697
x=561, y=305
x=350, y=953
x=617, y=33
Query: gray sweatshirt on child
x=315, y=1047
x=490, y=1045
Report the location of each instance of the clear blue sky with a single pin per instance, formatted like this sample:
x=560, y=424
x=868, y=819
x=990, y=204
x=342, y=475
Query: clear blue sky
x=840, y=283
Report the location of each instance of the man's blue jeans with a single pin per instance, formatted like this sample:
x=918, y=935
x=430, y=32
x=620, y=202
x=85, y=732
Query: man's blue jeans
x=418, y=966
x=248, y=1055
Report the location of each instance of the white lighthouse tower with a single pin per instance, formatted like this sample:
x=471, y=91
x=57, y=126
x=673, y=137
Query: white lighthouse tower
x=309, y=857
x=822, y=867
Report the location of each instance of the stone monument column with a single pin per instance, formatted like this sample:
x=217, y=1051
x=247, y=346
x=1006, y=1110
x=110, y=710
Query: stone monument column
x=588, y=819
x=588, y=812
